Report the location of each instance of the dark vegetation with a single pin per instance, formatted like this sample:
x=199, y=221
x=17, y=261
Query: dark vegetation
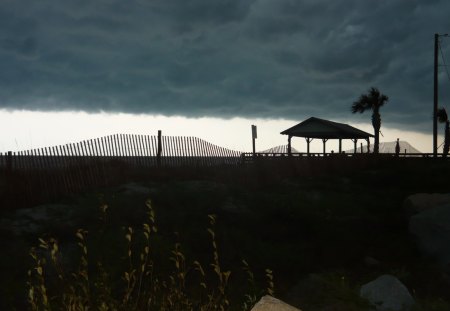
x=311, y=224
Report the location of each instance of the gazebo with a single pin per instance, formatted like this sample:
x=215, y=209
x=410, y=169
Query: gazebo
x=315, y=128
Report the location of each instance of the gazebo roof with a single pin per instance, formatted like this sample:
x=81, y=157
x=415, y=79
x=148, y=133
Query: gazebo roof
x=320, y=128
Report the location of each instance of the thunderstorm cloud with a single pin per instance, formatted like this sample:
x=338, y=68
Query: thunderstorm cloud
x=251, y=58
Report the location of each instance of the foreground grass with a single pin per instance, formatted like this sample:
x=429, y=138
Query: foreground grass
x=142, y=284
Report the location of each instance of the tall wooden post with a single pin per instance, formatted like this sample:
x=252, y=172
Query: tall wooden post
x=254, y=136
x=324, y=140
x=355, y=142
x=435, y=97
x=159, y=150
x=9, y=160
x=289, y=145
x=308, y=140
x=368, y=145
x=340, y=145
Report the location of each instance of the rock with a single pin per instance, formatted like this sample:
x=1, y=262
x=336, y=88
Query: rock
x=432, y=230
x=269, y=303
x=419, y=202
x=387, y=293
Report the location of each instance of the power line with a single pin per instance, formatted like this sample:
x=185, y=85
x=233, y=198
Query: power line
x=445, y=63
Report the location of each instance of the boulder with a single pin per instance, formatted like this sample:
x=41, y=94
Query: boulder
x=432, y=231
x=387, y=293
x=419, y=202
x=269, y=303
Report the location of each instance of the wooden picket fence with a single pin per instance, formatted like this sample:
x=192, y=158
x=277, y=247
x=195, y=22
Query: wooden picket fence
x=137, y=150
x=53, y=171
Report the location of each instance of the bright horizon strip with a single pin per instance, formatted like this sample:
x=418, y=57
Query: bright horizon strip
x=25, y=130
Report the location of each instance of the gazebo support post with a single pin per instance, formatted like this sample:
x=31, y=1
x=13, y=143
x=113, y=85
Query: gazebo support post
x=308, y=140
x=355, y=143
x=340, y=145
x=368, y=145
x=324, y=140
x=289, y=145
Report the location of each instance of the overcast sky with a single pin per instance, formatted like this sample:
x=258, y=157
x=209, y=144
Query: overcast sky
x=287, y=59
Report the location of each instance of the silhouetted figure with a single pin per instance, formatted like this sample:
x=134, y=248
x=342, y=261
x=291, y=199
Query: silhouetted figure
x=397, y=148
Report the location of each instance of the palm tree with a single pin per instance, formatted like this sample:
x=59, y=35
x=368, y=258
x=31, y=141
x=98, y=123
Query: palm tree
x=443, y=118
x=373, y=100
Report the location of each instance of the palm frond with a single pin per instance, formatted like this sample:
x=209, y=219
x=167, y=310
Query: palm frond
x=372, y=100
x=357, y=107
x=361, y=105
x=382, y=100
x=374, y=92
x=442, y=115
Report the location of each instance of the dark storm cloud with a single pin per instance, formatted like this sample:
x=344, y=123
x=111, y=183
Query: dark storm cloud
x=252, y=58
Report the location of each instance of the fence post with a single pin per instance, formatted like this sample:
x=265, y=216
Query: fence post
x=158, y=156
x=9, y=160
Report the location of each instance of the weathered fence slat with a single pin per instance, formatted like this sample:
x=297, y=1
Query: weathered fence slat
x=143, y=150
x=112, y=146
x=204, y=152
x=195, y=149
x=109, y=146
x=87, y=167
x=126, y=150
x=147, y=155
x=108, y=142
x=47, y=172
x=137, y=150
x=165, y=150
x=121, y=145
x=127, y=143
x=191, y=151
x=153, y=141
x=178, y=144
x=59, y=171
x=183, y=150
x=172, y=151
x=73, y=166
x=76, y=159
x=126, y=146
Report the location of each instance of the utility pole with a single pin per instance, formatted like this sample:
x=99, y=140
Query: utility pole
x=435, y=101
x=435, y=92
